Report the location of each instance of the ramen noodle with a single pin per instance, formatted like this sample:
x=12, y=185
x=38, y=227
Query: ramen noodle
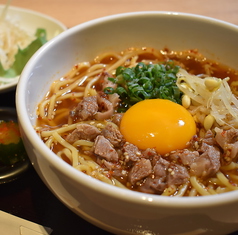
x=84, y=120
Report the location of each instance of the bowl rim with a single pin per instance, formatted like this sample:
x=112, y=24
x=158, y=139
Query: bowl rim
x=94, y=184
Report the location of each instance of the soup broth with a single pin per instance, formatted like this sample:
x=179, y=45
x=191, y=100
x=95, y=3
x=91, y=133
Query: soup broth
x=80, y=119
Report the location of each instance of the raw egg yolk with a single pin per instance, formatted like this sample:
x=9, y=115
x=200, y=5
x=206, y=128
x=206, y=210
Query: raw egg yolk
x=158, y=123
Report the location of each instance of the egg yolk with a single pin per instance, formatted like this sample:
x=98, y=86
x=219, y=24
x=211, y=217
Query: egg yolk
x=158, y=123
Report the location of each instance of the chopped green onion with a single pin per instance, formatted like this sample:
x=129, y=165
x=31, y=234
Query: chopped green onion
x=146, y=82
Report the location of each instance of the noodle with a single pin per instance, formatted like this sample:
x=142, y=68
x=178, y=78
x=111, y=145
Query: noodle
x=231, y=166
x=198, y=186
x=60, y=130
x=58, y=119
x=74, y=151
x=83, y=143
x=181, y=192
x=169, y=191
x=225, y=181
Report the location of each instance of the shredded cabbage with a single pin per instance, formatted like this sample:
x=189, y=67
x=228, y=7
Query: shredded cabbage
x=218, y=100
x=17, y=45
x=12, y=37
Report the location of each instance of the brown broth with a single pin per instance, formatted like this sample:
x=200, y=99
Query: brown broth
x=190, y=60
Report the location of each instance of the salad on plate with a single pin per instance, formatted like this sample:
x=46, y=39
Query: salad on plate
x=22, y=33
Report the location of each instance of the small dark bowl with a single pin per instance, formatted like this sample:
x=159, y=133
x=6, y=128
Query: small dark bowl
x=14, y=171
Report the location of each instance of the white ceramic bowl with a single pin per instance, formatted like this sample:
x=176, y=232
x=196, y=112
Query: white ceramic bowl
x=114, y=209
x=29, y=21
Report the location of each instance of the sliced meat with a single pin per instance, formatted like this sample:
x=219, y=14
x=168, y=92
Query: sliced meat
x=226, y=137
x=209, y=138
x=158, y=183
x=165, y=174
x=110, y=165
x=117, y=118
x=187, y=157
x=104, y=149
x=112, y=133
x=98, y=107
x=231, y=151
x=160, y=168
x=152, y=185
x=139, y=171
x=105, y=107
x=177, y=175
x=115, y=169
x=208, y=163
x=86, y=109
x=228, y=141
x=83, y=132
x=202, y=163
x=149, y=153
x=131, y=152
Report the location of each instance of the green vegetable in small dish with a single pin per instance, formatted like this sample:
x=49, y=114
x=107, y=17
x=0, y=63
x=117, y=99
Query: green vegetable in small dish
x=146, y=81
x=11, y=146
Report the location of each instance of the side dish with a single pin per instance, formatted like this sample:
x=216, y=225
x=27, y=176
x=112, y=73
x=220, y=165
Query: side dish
x=16, y=48
x=17, y=45
x=11, y=146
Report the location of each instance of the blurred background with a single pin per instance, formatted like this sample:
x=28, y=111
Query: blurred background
x=72, y=12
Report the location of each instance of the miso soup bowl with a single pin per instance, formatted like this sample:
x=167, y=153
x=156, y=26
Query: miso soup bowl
x=113, y=209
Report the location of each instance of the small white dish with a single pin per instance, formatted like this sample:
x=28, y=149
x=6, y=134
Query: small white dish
x=29, y=21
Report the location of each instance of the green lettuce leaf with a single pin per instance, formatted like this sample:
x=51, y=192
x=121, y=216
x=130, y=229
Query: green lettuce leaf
x=23, y=55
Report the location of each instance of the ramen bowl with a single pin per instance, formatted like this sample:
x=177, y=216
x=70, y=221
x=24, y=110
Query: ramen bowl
x=114, y=209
